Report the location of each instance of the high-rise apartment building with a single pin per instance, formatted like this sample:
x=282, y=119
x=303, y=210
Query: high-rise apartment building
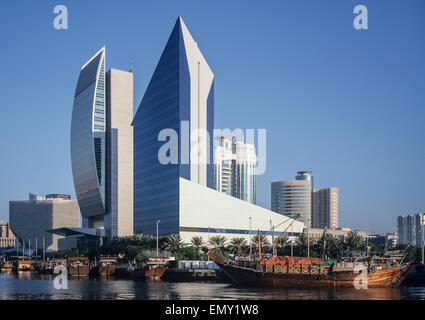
x=179, y=100
x=101, y=147
x=234, y=169
x=326, y=208
x=294, y=197
x=409, y=229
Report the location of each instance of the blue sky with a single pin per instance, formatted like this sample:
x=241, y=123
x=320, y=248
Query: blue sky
x=346, y=104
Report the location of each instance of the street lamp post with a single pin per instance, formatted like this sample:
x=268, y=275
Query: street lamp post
x=157, y=241
x=250, y=240
x=208, y=241
x=274, y=247
x=292, y=242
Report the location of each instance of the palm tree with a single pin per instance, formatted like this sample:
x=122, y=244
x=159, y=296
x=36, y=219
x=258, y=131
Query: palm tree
x=237, y=245
x=281, y=245
x=174, y=243
x=146, y=240
x=264, y=241
x=353, y=241
x=333, y=247
x=197, y=242
x=217, y=242
x=302, y=244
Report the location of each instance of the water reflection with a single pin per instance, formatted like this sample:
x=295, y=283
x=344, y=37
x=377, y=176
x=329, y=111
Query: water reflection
x=27, y=285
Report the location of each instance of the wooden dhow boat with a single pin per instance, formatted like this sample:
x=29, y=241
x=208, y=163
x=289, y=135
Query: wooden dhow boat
x=278, y=271
x=78, y=266
x=156, y=268
x=6, y=266
x=106, y=266
x=290, y=274
x=22, y=264
x=48, y=267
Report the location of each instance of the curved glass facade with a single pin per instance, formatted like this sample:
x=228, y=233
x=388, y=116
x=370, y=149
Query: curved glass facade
x=292, y=198
x=88, y=137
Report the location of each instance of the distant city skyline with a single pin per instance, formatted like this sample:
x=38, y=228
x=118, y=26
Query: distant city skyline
x=346, y=104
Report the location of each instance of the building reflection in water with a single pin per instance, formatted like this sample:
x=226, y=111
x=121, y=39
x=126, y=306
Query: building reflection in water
x=27, y=285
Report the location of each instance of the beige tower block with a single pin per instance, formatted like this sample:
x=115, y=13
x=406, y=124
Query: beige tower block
x=119, y=163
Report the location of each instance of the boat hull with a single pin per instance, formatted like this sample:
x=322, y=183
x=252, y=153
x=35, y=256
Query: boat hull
x=105, y=271
x=154, y=273
x=389, y=277
x=23, y=266
x=78, y=271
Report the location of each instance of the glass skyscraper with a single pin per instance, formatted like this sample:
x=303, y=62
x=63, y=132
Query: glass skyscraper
x=101, y=147
x=88, y=129
x=234, y=169
x=294, y=197
x=180, y=96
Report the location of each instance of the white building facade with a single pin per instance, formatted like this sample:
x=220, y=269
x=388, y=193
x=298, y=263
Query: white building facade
x=206, y=212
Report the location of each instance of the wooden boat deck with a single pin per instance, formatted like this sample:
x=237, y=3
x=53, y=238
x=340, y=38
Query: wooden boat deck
x=309, y=276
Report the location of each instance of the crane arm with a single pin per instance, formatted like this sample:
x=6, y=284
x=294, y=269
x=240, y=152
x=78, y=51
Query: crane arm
x=280, y=236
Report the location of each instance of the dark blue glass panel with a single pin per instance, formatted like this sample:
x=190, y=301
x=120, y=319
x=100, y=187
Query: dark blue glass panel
x=165, y=105
x=156, y=194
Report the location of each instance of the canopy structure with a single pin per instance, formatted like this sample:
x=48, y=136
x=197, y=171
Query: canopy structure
x=69, y=231
x=25, y=252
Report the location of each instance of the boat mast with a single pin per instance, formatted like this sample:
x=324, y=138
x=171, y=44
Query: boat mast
x=283, y=232
x=308, y=244
x=259, y=246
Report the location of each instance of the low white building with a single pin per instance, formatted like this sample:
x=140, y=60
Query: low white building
x=206, y=212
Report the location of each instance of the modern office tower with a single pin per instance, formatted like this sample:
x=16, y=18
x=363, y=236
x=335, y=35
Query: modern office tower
x=30, y=220
x=101, y=148
x=7, y=237
x=179, y=99
x=88, y=140
x=294, y=197
x=326, y=208
x=409, y=229
x=119, y=153
x=175, y=191
x=234, y=169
